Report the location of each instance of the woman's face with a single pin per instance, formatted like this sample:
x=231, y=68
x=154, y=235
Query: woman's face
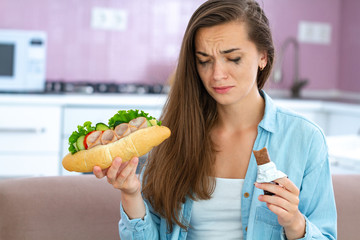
x=227, y=62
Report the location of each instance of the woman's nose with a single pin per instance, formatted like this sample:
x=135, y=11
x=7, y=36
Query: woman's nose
x=219, y=72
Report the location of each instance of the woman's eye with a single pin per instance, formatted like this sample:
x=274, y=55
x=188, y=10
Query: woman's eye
x=235, y=60
x=203, y=62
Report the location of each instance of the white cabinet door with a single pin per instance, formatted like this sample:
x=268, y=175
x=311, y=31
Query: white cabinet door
x=343, y=124
x=29, y=129
x=29, y=140
x=344, y=119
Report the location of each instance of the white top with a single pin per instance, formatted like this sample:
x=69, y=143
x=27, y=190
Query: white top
x=220, y=216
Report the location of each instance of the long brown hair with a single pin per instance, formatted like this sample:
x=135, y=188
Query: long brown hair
x=182, y=166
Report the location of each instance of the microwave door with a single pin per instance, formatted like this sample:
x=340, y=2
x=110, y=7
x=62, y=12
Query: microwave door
x=22, y=61
x=12, y=67
x=7, y=55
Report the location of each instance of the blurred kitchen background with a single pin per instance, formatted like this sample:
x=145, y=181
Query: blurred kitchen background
x=69, y=61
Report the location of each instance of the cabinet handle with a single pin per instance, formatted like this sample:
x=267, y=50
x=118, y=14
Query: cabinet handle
x=23, y=130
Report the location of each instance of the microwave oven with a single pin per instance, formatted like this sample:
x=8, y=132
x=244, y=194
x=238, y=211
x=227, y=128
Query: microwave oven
x=22, y=60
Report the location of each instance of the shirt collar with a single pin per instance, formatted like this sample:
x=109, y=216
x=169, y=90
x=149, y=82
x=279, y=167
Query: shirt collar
x=268, y=122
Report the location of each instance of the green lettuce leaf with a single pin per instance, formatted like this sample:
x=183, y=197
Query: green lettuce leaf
x=124, y=116
x=121, y=116
x=82, y=131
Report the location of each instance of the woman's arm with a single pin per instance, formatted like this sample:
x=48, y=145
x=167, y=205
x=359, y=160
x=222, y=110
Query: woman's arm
x=122, y=176
x=307, y=212
x=136, y=221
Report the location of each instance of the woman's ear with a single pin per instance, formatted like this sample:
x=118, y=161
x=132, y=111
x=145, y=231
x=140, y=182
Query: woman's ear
x=262, y=59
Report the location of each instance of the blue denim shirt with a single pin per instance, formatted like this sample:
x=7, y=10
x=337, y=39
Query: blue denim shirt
x=298, y=148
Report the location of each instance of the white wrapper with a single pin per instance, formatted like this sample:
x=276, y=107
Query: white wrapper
x=268, y=172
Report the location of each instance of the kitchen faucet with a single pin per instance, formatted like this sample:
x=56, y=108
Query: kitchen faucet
x=297, y=83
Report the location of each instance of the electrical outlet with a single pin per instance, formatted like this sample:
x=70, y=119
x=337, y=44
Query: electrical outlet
x=314, y=32
x=109, y=19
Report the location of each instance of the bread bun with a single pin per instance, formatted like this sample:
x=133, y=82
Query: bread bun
x=136, y=144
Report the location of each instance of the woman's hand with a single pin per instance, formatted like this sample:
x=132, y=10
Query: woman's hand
x=121, y=175
x=285, y=204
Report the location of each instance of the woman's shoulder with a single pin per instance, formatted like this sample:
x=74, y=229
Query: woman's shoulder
x=297, y=133
x=288, y=115
x=290, y=120
x=285, y=119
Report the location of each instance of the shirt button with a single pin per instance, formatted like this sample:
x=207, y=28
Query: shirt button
x=246, y=229
x=246, y=195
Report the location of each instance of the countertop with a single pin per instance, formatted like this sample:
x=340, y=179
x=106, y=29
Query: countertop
x=85, y=99
x=324, y=95
x=337, y=104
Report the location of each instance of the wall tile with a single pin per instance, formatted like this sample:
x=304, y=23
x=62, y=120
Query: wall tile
x=147, y=51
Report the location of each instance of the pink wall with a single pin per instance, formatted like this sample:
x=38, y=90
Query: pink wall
x=349, y=53
x=318, y=63
x=147, y=51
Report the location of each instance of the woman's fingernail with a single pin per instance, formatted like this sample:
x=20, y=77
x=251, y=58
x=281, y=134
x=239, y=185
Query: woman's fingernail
x=134, y=160
x=117, y=161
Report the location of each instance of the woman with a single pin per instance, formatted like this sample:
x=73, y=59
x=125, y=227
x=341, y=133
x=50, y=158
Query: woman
x=199, y=184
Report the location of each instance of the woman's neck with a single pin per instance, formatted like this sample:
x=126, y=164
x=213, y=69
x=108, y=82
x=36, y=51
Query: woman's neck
x=243, y=115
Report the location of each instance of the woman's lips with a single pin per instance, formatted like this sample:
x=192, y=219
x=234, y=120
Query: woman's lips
x=222, y=90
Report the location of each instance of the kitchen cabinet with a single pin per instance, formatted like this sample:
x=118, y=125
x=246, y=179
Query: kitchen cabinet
x=34, y=129
x=344, y=151
x=29, y=140
x=342, y=124
x=344, y=119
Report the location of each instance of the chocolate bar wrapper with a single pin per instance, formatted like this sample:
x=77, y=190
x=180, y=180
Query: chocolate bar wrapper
x=268, y=173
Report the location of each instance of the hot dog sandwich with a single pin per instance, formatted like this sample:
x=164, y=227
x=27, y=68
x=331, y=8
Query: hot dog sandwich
x=128, y=134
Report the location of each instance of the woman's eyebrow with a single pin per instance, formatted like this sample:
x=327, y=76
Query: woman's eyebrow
x=230, y=50
x=222, y=52
x=202, y=53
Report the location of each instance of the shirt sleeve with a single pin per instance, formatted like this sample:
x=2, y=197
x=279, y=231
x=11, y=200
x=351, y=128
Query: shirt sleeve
x=146, y=228
x=317, y=202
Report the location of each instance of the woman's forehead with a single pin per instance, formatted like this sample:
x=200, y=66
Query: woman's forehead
x=224, y=36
